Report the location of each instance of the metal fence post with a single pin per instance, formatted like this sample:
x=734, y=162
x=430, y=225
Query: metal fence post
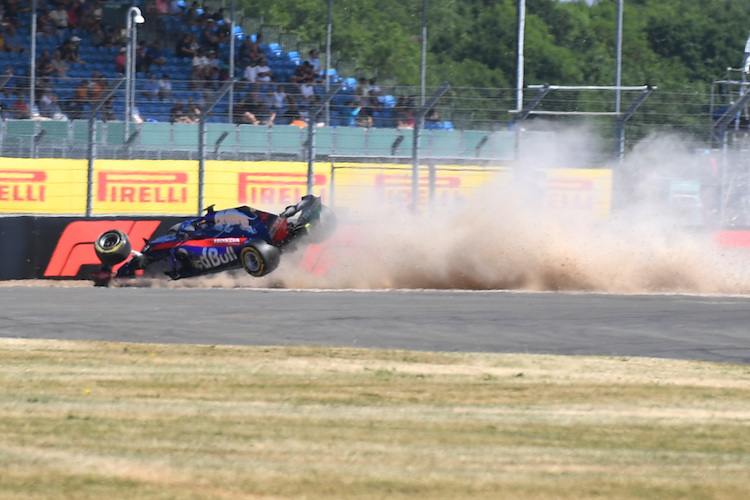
x=418, y=120
x=92, y=145
x=311, y=126
x=202, y=139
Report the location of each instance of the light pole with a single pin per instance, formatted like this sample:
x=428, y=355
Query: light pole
x=134, y=18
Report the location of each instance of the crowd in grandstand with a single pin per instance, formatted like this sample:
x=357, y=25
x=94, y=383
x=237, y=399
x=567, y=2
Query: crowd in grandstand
x=177, y=66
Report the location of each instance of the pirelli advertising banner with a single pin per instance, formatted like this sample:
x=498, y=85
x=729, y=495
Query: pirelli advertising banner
x=161, y=187
x=42, y=186
x=148, y=187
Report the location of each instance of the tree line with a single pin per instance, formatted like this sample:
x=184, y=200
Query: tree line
x=679, y=45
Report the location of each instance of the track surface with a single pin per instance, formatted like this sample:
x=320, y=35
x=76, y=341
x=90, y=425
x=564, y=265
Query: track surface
x=667, y=326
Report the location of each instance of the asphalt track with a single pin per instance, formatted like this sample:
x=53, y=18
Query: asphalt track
x=708, y=328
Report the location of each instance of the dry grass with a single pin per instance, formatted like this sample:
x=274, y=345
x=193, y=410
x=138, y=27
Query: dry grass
x=83, y=420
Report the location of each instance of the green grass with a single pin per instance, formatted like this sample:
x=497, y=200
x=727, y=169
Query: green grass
x=83, y=420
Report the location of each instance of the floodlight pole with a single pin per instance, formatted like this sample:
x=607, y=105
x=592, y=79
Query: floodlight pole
x=619, y=125
x=134, y=18
x=329, y=29
x=519, y=64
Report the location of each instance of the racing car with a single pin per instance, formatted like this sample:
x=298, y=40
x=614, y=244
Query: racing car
x=220, y=240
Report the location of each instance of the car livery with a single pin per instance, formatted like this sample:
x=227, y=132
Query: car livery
x=220, y=240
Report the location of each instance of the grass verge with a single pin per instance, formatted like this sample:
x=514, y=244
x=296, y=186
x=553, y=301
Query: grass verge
x=82, y=420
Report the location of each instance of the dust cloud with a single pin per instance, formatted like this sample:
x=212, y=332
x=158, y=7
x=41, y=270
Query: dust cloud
x=504, y=237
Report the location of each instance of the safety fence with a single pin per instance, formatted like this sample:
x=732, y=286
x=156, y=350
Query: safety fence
x=69, y=139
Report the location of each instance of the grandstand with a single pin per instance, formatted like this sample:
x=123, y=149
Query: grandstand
x=167, y=29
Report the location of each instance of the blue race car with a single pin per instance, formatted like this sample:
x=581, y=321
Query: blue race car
x=220, y=240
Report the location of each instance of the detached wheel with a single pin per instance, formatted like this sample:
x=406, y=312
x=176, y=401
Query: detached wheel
x=323, y=227
x=112, y=247
x=259, y=258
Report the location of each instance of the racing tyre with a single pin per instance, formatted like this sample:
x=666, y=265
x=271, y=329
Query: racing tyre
x=322, y=228
x=259, y=258
x=112, y=247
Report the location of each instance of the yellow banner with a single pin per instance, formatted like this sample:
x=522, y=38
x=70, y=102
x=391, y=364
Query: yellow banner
x=42, y=186
x=152, y=187
x=578, y=190
x=147, y=187
x=266, y=185
x=391, y=184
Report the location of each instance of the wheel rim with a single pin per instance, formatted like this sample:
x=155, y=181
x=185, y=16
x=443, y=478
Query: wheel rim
x=109, y=241
x=252, y=262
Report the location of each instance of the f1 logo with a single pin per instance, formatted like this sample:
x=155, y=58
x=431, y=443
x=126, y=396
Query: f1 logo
x=75, y=248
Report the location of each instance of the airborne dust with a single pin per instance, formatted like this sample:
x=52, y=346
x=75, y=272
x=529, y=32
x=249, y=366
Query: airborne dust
x=502, y=237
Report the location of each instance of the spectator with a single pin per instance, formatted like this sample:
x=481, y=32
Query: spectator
x=3, y=47
x=301, y=73
x=257, y=46
x=281, y=102
x=97, y=12
x=246, y=53
x=209, y=40
x=192, y=111
x=432, y=117
x=154, y=56
x=362, y=91
x=73, y=15
x=59, y=66
x=298, y=121
x=20, y=109
x=75, y=105
x=263, y=72
x=161, y=7
x=213, y=67
x=249, y=74
x=112, y=38
x=49, y=107
x=206, y=15
x=69, y=51
x=44, y=64
x=44, y=26
x=200, y=72
x=165, y=88
x=97, y=87
x=177, y=113
x=152, y=87
x=314, y=62
x=223, y=31
x=12, y=41
x=193, y=16
x=121, y=60
x=374, y=89
x=243, y=113
x=11, y=13
x=184, y=47
x=85, y=16
x=140, y=60
x=97, y=35
x=307, y=93
x=59, y=19
x=177, y=9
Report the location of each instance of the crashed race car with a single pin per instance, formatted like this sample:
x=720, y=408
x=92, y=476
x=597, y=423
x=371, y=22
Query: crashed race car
x=220, y=240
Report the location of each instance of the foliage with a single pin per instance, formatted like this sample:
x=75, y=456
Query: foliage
x=669, y=43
